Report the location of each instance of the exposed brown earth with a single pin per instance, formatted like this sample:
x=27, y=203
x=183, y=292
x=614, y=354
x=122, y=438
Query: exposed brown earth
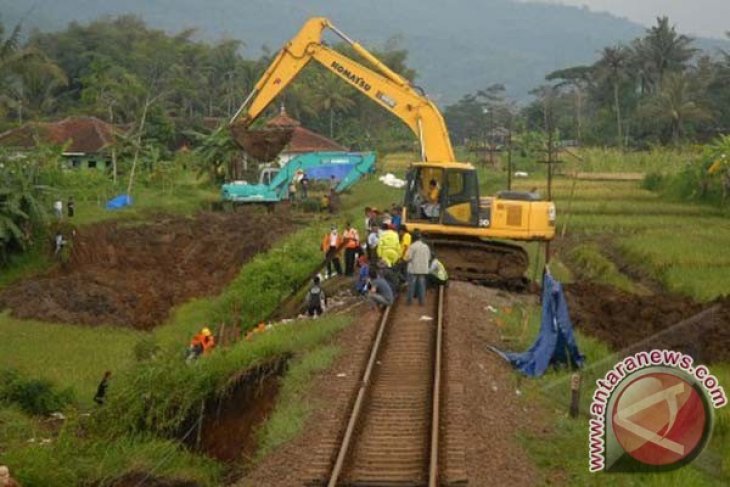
x=132, y=276
x=624, y=320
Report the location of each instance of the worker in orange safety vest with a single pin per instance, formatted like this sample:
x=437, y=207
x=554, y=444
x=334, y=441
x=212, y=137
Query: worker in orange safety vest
x=351, y=240
x=331, y=245
x=202, y=343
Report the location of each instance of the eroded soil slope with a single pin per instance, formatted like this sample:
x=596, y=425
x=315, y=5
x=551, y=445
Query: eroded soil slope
x=132, y=275
x=624, y=320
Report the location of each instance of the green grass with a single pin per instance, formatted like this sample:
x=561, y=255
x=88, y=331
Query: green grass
x=593, y=265
x=173, y=389
x=71, y=459
x=294, y=403
x=681, y=245
x=560, y=451
x=67, y=355
x=185, y=197
x=662, y=160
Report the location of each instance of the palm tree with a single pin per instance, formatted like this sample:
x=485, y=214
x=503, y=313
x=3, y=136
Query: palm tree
x=578, y=78
x=663, y=50
x=613, y=69
x=675, y=105
x=332, y=95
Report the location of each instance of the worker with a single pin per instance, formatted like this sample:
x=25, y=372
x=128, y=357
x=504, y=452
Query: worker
x=351, y=240
x=437, y=275
x=202, y=343
x=316, y=299
x=394, y=277
x=293, y=191
x=71, y=207
x=380, y=293
x=305, y=186
x=361, y=285
x=388, y=245
x=418, y=258
x=396, y=213
x=405, y=239
x=60, y=243
x=5, y=479
x=333, y=184
x=331, y=245
x=58, y=209
x=100, y=396
x=372, y=244
x=433, y=191
x=431, y=207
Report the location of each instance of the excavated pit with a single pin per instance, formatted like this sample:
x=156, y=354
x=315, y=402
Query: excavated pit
x=230, y=422
x=625, y=320
x=133, y=275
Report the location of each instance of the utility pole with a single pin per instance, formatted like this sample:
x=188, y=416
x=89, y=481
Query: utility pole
x=509, y=158
x=491, y=137
x=552, y=158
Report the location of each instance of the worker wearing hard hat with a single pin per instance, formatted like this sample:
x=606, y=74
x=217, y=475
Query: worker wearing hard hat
x=202, y=343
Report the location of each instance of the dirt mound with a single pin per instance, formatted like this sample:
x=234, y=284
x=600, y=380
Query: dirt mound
x=627, y=321
x=133, y=275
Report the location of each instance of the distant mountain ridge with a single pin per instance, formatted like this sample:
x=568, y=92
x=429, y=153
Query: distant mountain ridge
x=456, y=46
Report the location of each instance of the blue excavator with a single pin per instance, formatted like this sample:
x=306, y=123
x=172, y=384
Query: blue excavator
x=273, y=186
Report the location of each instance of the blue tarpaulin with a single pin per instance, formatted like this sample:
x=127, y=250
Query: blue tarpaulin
x=119, y=202
x=339, y=171
x=555, y=344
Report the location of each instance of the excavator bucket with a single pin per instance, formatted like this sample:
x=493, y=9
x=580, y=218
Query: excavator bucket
x=264, y=144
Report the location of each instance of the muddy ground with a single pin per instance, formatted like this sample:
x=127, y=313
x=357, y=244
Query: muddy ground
x=133, y=275
x=625, y=320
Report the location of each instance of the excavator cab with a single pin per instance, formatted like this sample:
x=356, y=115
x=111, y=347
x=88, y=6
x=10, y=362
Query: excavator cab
x=442, y=195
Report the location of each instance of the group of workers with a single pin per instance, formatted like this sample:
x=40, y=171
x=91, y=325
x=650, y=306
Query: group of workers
x=389, y=256
x=299, y=187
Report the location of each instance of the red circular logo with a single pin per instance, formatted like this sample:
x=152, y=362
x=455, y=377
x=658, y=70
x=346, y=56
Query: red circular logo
x=659, y=419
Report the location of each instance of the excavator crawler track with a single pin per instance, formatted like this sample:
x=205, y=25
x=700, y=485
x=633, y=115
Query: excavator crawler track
x=490, y=263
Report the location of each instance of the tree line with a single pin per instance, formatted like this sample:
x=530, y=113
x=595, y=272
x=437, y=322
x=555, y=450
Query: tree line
x=657, y=89
x=127, y=73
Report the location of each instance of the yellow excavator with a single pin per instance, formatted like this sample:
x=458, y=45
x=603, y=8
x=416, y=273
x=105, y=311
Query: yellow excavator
x=442, y=196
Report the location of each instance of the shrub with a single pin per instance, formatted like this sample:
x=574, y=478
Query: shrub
x=653, y=181
x=145, y=349
x=34, y=396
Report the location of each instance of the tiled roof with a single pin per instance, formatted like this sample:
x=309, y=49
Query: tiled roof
x=86, y=135
x=303, y=140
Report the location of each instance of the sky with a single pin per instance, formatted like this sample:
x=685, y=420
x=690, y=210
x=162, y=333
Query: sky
x=710, y=18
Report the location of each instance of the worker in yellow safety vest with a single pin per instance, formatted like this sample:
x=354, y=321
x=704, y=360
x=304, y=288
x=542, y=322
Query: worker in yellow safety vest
x=389, y=249
x=405, y=239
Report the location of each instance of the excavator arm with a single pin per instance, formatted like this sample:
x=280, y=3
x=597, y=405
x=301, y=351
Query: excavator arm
x=382, y=85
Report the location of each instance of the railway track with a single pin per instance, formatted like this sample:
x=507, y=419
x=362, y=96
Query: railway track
x=392, y=436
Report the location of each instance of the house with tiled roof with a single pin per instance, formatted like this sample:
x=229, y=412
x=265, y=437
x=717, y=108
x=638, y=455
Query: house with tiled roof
x=302, y=140
x=85, y=140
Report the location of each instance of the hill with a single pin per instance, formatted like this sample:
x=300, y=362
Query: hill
x=456, y=47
